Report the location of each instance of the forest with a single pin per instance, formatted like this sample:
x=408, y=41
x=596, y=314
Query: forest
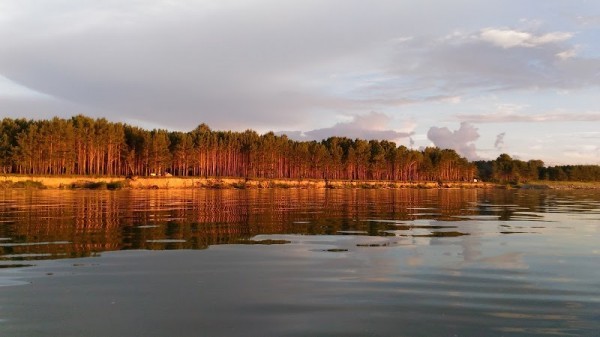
x=86, y=146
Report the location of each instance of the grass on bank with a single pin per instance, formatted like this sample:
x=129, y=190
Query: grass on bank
x=25, y=184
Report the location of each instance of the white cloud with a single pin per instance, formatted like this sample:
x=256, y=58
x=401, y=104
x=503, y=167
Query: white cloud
x=567, y=54
x=374, y=125
x=463, y=64
x=509, y=38
x=461, y=140
x=505, y=38
x=551, y=38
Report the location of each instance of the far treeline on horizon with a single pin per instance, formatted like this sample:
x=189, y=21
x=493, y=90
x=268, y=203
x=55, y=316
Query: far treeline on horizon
x=85, y=146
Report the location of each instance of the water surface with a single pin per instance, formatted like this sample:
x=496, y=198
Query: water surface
x=300, y=263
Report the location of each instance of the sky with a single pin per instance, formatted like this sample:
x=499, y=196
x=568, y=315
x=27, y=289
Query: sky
x=481, y=77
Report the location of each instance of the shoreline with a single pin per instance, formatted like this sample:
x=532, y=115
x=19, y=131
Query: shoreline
x=562, y=185
x=114, y=183
x=106, y=182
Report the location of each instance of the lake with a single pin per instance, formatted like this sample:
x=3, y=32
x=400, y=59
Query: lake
x=287, y=262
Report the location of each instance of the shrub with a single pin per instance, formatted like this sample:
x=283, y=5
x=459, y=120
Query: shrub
x=241, y=185
x=115, y=185
x=98, y=185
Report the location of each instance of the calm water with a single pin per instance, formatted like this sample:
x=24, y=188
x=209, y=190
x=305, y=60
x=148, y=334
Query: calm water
x=300, y=263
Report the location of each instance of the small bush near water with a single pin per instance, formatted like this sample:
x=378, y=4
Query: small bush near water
x=98, y=185
x=241, y=185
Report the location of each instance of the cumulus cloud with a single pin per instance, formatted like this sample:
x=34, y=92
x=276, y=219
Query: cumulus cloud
x=461, y=140
x=374, y=125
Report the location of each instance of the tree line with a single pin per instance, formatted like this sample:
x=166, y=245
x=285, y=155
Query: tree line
x=508, y=170
x=86, y=146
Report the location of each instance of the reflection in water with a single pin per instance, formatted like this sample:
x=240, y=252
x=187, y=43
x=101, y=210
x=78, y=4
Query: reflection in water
x=54, y=224
x=58, y=224
x=306, y=262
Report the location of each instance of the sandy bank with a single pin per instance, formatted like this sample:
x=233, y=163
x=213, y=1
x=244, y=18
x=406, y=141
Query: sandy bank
x=23, y=181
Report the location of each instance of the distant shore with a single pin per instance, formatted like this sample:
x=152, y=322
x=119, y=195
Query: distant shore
x=104, y=182
x=562, y=185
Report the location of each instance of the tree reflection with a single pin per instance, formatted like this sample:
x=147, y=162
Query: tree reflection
x=61, y=224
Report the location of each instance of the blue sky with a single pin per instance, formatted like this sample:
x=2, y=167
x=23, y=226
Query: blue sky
x=482, y=77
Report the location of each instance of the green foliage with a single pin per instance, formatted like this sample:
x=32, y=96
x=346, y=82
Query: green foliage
x=571, y=173
x=507, y=170
x=513, y=171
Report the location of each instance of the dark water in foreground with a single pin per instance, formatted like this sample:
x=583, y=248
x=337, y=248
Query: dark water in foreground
x=300, y=263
